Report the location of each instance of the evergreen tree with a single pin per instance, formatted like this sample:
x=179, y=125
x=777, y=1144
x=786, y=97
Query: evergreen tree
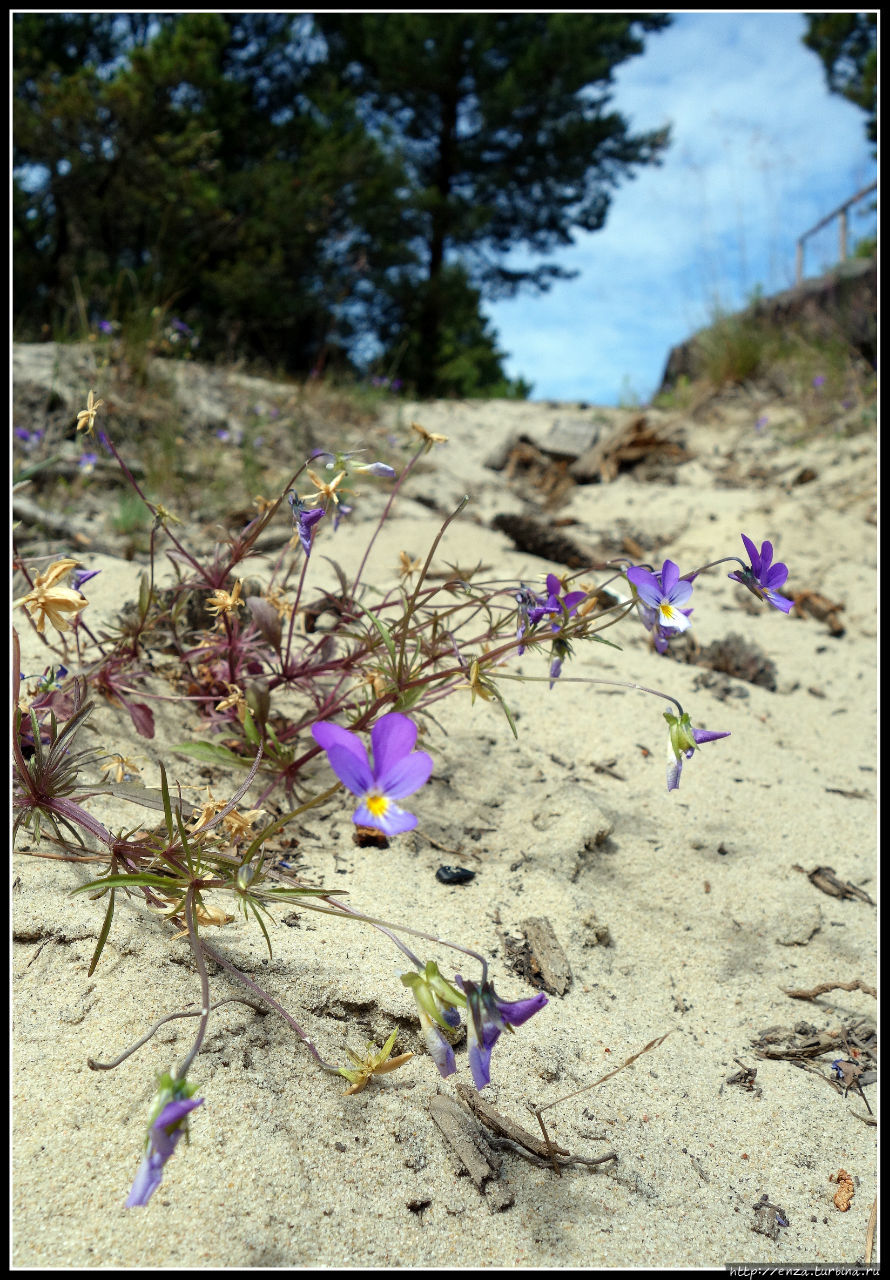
x=847, y=45
x=504, y=125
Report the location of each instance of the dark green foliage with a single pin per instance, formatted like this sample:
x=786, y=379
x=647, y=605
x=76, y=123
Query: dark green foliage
x=308, y=193
x=504, y=124
x=847, y=44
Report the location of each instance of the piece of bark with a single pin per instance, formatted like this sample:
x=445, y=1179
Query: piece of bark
x=467, y=1143
x=539, y=956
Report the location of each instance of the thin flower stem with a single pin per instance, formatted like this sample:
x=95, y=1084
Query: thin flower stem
x=273, y=1004
x=386, y=510
x=386, y=925
x=186, y=1013
x=205, y=983
x=410, y=606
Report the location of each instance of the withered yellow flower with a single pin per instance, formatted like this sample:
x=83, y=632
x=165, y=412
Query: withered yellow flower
x=374, y=1063
x=222, y=602
x=87, y=417
x=429, y=438
x=48, y=601
x=407, y=566
x=324, y=493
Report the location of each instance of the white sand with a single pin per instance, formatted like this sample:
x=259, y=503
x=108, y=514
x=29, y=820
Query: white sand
x=709, y=921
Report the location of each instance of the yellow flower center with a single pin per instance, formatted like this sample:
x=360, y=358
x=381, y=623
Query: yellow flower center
x=378, y=805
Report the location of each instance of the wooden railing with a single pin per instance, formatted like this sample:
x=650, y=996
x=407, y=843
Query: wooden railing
x=841, y=213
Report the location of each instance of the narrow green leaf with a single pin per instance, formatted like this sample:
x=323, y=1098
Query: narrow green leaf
x=382, y=631
x=103, y=934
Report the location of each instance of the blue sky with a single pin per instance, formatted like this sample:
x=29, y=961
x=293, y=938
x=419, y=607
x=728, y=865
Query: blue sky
x=760, y=152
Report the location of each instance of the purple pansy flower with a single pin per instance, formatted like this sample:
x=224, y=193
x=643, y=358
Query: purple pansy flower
x=660, y=597
x=764, y=578
x=436, y=1006
x=304, y=518
x=487, y=1017
x=532, y=608
x=683, y=742
x=170, y=1110
x=398, y=770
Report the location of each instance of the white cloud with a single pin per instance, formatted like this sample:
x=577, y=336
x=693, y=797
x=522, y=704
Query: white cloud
x=760, y=152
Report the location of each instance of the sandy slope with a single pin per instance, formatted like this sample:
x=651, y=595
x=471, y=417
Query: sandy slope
x=708, y=915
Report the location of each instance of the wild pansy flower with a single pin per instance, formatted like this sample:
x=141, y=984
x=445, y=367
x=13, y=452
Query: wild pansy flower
x=683, y=743
x=87, y=463
x=532, y=608
x=48, y=601
x=437, y=1005
x=764, y=577
x=168, y=1121
x=398, y=770
x=304, y=518
x=487, y=1017
x=660, y=596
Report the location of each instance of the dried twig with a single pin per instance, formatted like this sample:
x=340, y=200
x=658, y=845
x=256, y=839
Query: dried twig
x=856, y=985
x=552, y=1149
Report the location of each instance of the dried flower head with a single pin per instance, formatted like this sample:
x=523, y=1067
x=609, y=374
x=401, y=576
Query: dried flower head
x=223, y=602
x=86, y=419
x=47, y=600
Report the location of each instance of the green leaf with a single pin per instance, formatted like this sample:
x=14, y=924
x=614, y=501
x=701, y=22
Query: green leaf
x=251, y=732
x=383, y=632
x=103, y=934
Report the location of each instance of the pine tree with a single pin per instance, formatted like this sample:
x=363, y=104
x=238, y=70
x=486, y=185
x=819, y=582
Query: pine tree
x=505, y=127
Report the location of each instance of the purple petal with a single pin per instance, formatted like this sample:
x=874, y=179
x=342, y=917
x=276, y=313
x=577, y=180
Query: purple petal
x=752, y=553
x=394, y=822
x=766, y=559
x=674, y=769
x=333, y=735
x=392, y=737
x=573, y=599
x=669, y=575
x=406, y=775
x=147, y=1180
x=480, y=1064
x=351, y=769
x=515, y=1012
x=774, y=578
x=780, y=602
x=554, y=586
x=708, y=735
x=646, y=584
x=680, y=592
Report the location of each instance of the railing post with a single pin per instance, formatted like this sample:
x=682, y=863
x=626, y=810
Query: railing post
x=798, y=262
x=843, y=233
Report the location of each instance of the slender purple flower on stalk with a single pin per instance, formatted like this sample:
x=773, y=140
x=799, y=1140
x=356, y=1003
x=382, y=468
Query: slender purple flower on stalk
x=341, y=511
x=398, y=770
x=683, y=743
x=661, y=596
x=437, y=1002
x=80, y=576
x=819, y=381
x=168, y=1122
x=487, y=1017
x=304, y=518
x=764, y=578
